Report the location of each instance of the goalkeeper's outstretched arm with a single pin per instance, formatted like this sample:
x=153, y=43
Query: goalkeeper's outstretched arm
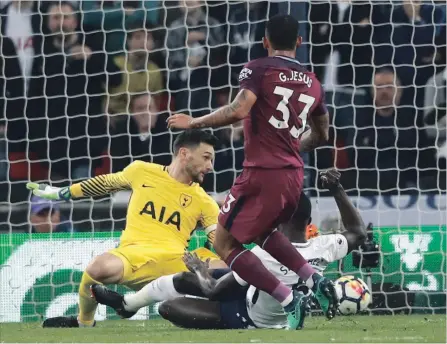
x=97, y=186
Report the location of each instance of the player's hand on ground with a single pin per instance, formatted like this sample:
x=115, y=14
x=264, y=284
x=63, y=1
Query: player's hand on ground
x=179, y=121
x=49, y=192
x=330, y=179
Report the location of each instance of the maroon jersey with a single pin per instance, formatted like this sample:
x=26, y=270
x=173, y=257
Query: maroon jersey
x=287, y=94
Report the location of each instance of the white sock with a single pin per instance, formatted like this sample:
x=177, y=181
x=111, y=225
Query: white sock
x=310, y=283
x=161, y=289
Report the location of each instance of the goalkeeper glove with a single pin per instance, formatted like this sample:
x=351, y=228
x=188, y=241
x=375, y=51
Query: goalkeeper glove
x=49, y=192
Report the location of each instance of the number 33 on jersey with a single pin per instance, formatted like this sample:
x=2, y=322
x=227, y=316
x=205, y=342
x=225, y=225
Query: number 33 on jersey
x=287, y=97
x=228, y=204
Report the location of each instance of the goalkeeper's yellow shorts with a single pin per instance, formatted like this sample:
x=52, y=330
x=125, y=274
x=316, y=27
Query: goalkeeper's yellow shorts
x=144, y=264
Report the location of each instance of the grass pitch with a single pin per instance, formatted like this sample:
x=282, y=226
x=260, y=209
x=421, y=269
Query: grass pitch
x=358, y=329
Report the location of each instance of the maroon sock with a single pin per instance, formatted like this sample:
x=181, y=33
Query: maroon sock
x=251, y=270
x=284, y=252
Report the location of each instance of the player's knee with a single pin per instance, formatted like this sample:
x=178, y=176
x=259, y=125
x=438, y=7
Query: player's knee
x=222, y=249
x=225, y=247
x=165, y=309
x=217, y=264
x=105, y=269
x=218, y=247
x=179, y=281
x=97, y=271
x=220, y=241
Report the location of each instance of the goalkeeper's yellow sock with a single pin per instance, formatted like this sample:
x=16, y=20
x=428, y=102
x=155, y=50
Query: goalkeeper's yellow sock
x=87, y=304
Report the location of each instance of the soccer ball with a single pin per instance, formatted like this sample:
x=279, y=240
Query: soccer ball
x=353, y=294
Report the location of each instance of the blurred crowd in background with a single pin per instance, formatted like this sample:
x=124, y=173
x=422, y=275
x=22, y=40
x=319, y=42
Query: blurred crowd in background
x=86, y=86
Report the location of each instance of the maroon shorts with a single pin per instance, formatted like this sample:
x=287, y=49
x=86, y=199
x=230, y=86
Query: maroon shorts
x=259, y=201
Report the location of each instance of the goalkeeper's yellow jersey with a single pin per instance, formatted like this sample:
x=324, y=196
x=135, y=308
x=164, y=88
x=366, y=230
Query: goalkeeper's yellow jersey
x=161, y=210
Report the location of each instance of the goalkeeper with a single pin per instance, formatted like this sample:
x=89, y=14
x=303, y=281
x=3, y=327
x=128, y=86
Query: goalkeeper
x=164, y=209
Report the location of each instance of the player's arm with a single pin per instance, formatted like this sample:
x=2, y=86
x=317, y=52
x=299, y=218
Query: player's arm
x=224, y=289
x=250, y=81
x=97, y=186
x=238, y=109
x=319, y=127
x=227, y=287
x=210, y=213
x=318, y=133
x=355, y=232
x=210, y=234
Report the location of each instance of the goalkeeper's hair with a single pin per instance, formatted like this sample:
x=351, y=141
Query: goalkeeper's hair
x=192, y=138
x=282, y=32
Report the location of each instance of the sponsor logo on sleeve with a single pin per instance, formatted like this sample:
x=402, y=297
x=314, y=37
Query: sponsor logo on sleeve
x=245, y=73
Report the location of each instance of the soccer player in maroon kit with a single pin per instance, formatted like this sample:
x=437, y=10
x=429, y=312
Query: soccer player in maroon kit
x=277, y=98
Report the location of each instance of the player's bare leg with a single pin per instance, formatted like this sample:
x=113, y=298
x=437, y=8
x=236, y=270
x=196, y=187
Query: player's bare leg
x=250, y=268
x=193, y=313
x=104, y=269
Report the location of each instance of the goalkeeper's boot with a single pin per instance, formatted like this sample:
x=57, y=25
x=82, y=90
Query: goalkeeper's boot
x=63, y=322
x=324, y=292
x=296, y=310
x=111, y=298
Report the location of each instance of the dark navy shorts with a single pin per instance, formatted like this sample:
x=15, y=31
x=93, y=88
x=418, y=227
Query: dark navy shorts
x=218, y=273
x=234, y=313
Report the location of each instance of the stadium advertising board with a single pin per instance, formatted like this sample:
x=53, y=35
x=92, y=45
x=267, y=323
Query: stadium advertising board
x=40, y=274
x=402, y=210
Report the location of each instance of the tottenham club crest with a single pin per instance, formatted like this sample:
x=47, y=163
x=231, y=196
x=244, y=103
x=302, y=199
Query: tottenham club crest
x=244, y=74
x=185, y=200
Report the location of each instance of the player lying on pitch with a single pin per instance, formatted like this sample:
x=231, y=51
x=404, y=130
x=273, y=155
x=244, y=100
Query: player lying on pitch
x=164, y=209
x=277, y=98
x=231, y=304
